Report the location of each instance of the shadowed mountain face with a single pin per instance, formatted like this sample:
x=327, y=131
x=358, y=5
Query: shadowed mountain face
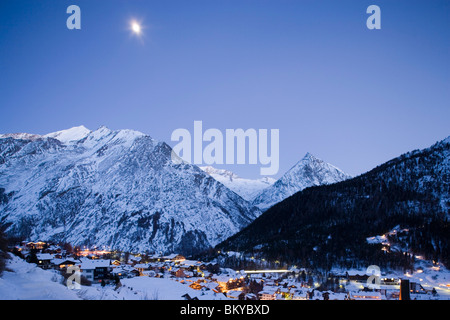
x=329, y=225
x=246, y=188
x=113, y=188
x=308, y=172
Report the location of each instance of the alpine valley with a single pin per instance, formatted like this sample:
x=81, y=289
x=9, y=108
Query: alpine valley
x=390, y=216
x=112, y=188
x=119, y=189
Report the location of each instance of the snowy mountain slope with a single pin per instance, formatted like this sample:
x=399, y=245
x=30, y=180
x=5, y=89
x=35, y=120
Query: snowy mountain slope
x=69, y=135
x=246, y=188
x=115, y=188
x=308, y=172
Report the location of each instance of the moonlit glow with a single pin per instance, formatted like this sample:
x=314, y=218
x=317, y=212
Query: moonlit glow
x=136, y=27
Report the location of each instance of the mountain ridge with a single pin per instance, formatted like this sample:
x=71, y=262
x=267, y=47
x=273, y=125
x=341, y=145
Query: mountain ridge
x=246, y=188
x=115, y=188
x=309, y=171
x=325, y=226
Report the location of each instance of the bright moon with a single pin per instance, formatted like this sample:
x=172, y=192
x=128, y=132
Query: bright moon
x=136, y=27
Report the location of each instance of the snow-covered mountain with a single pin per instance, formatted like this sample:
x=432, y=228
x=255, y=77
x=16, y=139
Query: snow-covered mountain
x=246, y=188
x=70, y=135
x=115, y=188
x=308, y=172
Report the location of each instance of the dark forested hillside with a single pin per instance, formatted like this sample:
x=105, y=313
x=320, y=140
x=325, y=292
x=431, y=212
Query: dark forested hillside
x=329, y=225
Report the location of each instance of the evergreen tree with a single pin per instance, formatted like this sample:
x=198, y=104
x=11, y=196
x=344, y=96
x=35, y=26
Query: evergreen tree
x=3, y=251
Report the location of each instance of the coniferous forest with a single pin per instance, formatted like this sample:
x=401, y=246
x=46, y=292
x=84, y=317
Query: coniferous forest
x=328, y=226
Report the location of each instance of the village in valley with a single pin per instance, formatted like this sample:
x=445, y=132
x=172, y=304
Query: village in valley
x=105, y=274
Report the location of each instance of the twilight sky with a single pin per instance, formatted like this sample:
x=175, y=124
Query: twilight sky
x=353, y=97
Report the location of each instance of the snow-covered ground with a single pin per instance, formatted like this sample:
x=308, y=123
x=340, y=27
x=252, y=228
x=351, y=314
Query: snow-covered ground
x=26, y=281
x=147, y=288
x=431, y=276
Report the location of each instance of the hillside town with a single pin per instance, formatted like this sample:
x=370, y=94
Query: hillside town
x=110, y=270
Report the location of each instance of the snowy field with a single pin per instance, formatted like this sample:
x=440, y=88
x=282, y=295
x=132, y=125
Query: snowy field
x=29, y=282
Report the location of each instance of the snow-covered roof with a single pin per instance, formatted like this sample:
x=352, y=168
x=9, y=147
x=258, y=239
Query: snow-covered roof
x=367, y=295
x=44, y=256
x=68, y=135
x=92, y=264
x=149, y=272
x=357, y=272
x=223, y=278
x=234, y=293
x=117, y=270
x=171, y=256
x=266, y=291
x=135, y=258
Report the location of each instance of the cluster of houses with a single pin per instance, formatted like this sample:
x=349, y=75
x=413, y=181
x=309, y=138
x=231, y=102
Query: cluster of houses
x=96, y=269
x=198, y=275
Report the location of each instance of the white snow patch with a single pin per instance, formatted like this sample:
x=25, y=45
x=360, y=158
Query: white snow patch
x=69, y=135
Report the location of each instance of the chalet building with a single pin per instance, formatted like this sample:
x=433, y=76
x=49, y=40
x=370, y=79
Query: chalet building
x=226, y=283
x=235, y=294
x=155, y=258
x=44, y=260
x=62, y=264
x=96, y=270
x=39, y=245
x=179, y=273
x=366, y=295
x=198, y=285
x=149, y=273
x=267, y=295
x=358, y=277
x=405, y=289
x=142, y=267
x=115, y=262
x=285, y=293
x=390, y=280
x=173, y=257
x=188, y=297
x=133, y=259
x=192, y=265
x=417, y=288
x=250, y=296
